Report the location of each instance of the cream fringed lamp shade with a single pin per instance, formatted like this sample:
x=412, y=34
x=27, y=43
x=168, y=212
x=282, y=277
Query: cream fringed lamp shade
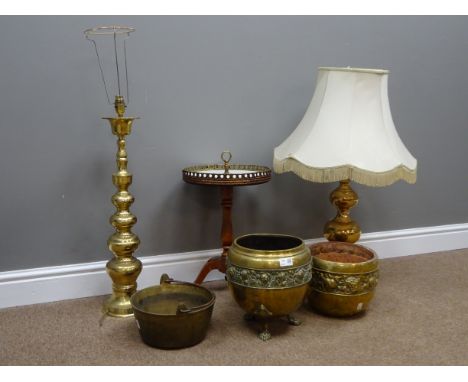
x=347, y=133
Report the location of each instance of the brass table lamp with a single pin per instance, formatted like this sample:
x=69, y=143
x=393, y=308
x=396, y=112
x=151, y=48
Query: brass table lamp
x=124, y=268
x=347, y=133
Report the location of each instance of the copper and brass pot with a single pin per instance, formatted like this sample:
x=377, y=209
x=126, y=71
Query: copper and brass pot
x=344, y=277
x=268, y=276
x=174, y=314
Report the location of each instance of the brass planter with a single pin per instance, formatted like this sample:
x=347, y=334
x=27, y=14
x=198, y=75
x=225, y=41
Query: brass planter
x=344, y=278
x=268, y=276
x=174, y=314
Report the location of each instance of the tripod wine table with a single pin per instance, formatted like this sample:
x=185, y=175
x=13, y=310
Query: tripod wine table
x=226, y=176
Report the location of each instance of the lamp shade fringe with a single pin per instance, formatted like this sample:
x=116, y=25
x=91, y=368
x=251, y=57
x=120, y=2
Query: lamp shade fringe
x=335, y=174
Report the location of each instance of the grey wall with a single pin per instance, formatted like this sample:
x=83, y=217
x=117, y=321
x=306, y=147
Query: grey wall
x=202, y=85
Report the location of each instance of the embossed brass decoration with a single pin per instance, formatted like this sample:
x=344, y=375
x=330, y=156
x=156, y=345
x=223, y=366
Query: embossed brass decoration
x=123, y=268
x=268, y=276
x=342, y=227
x=346, y=286
x=253, y=278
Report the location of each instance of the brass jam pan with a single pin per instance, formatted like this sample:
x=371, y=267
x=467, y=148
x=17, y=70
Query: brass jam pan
x=174, y=314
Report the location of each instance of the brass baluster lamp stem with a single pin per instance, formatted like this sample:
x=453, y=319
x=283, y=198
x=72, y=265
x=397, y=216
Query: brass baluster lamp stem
x=342, y=227
x=123, y=268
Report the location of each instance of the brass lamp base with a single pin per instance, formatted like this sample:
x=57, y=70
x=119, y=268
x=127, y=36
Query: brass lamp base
x=342, y=227
x=118, y=306
x=123, y=268
x=123, y=272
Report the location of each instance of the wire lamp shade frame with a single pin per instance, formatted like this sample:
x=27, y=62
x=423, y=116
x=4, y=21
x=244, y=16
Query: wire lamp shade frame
x=114, y=32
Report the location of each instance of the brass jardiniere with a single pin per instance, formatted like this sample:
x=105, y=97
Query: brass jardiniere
x=344, y=278
x=268, y=276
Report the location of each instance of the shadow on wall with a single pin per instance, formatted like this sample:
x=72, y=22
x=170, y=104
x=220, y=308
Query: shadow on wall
x=289, y=214
x=87, y=183
x=199, y=209
x=184, y=218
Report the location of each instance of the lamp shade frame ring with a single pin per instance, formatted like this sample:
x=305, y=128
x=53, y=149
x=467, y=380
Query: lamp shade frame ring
x=108, y=30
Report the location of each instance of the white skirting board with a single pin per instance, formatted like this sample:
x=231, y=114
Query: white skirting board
x=39, y=285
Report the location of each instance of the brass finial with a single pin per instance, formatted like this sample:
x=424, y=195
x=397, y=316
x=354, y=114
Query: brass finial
x=226, y=158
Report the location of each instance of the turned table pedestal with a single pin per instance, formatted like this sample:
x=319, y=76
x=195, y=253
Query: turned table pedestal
x=225, y=176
